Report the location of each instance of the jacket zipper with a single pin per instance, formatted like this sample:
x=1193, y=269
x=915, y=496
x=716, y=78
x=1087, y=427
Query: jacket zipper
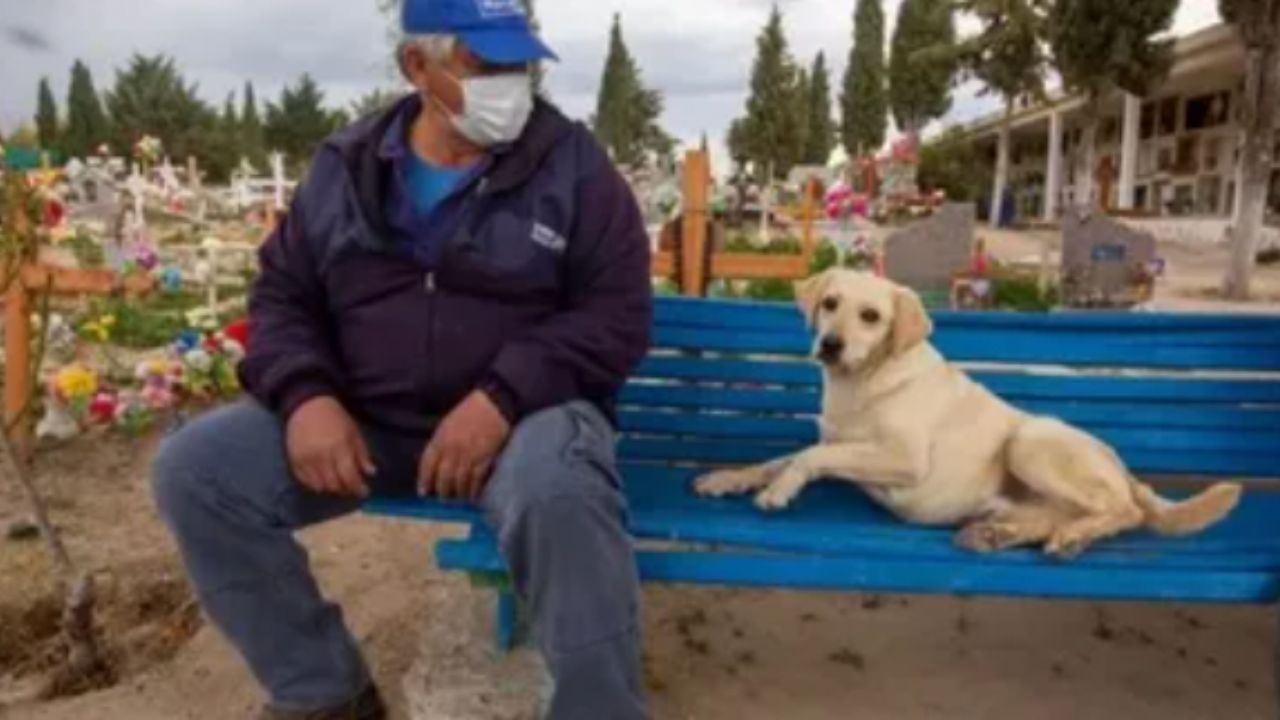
x=431, y=291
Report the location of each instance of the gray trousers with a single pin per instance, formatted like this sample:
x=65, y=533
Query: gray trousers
x=223, y=486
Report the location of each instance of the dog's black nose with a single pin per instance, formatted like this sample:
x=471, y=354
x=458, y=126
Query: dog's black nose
x=830, y=349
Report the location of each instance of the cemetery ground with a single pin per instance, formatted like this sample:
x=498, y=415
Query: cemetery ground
x=711, y=654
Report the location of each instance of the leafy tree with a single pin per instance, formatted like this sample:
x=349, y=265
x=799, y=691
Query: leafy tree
x=737, y=143
x=774, y=127
x=1258, y=24
x=25, y=137
x=375, y=100
x=1007, y=55
x=626, y=118
x=252, y=143
x=1100, y=46
x=46, y=116
x=298, y=123
x=86, y=122
x=951, y=164
x=820, y=130
x=150, y=97
x=920, y=83
x=221, y=149
x=864, y=101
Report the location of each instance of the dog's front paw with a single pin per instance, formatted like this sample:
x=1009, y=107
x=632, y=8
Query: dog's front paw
x=722, y=483
x=1066, y=545
x=779, y=494
x=985, y=536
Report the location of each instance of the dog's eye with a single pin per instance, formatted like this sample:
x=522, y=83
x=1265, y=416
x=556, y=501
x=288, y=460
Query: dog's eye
x=870, y=316
x=830, y=304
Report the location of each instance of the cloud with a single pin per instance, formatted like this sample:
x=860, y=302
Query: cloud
x=26, y=39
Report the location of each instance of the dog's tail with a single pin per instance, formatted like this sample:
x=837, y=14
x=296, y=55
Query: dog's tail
x=1190, y=516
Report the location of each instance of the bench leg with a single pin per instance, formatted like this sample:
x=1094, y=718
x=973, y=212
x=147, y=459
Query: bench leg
x=505, y=627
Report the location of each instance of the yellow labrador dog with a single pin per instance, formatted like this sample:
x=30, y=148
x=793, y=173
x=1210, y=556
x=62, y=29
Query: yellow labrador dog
x=934, y=447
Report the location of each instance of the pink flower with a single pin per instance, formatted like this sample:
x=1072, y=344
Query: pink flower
x=103, y=407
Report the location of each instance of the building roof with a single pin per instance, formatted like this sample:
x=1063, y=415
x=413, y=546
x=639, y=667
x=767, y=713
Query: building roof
x=1192, y=52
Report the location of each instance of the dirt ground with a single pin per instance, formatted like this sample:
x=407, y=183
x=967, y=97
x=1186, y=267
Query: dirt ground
x=711, y=654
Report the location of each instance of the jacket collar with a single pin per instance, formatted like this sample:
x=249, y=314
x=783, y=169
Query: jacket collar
x=371, y=147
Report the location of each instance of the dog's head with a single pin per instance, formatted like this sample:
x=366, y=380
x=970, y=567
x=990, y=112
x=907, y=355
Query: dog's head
x=859, y=318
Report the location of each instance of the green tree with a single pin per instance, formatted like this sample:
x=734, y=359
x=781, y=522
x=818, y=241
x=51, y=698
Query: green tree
x=1007, y=55
x=25, y=137
x=626, y=117
x=920, y=83
x=820, y=131
x=298, y=123
x=1258, y=24
x=150, y=97
x=253, y=145
x=1100, y=46
x=774, y=126
x=376, y=100
x=86, y=122
x=950, y=163
x=864, y=101
x=46, y=116
x=221, y=149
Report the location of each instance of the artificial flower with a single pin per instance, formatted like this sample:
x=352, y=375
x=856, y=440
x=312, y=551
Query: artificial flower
x=75, y=382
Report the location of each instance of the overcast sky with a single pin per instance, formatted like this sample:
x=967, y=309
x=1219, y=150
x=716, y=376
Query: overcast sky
x=697, y=52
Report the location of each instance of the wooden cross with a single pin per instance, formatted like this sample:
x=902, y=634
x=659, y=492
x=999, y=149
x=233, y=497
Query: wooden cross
x=36, y=278
x=693, y=240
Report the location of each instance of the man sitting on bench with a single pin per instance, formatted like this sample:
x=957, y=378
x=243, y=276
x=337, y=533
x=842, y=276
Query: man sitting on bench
x=458, y=292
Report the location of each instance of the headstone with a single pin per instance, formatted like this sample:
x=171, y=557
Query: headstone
x=927, y=254
x=1105, y=263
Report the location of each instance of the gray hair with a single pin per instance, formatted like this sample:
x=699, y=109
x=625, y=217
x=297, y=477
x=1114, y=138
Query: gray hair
x=437, y=47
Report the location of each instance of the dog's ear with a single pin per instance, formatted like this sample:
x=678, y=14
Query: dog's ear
x=911, y=323
x=809, y=293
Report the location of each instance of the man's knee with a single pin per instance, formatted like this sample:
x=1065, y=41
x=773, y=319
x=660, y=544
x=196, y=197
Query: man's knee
x=557, y=460
x=185, y=469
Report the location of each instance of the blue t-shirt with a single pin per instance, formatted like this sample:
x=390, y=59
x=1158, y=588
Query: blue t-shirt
x=428, y=184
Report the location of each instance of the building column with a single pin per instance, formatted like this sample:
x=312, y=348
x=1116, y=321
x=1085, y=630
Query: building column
x=1237, y=207
x=1053, y=173
x=1129, y=150
x=1002, y=173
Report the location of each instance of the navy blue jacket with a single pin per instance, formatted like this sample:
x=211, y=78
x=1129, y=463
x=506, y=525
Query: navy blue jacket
x=538, y=293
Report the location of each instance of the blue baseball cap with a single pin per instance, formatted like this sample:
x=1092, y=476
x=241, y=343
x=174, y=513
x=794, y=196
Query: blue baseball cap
x=496, y=30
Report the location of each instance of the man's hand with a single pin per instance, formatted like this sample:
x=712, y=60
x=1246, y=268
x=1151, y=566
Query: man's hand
x=457, y=461
x=326, y=451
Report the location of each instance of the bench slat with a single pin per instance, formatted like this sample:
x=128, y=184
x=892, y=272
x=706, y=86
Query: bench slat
x=872, y=574
x=1009, y=385
x=1216, y=351
x=701, y=313
x=1261, y=441
x=1157, y=461
x=1095, y=414
x=836, y=517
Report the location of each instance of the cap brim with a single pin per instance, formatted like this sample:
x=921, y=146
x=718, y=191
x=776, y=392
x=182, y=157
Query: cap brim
x=507, y=46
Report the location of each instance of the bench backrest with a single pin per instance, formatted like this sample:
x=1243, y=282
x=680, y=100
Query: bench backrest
x=1197, y=395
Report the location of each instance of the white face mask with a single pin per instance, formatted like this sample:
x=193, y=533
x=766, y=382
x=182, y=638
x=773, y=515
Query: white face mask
x=495, y=108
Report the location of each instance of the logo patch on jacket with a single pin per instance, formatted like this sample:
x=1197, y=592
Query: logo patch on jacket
x=548, y=238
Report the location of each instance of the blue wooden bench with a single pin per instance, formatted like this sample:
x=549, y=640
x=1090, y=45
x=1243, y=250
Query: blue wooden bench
x=1182, y=397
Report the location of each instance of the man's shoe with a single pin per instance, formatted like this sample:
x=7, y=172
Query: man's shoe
x=367, y=705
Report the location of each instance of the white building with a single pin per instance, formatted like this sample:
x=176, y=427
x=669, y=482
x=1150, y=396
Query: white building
x=1173, y=153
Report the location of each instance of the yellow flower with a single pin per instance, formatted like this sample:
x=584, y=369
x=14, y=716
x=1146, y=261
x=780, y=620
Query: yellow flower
x=101, y=328
x=76, y=381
